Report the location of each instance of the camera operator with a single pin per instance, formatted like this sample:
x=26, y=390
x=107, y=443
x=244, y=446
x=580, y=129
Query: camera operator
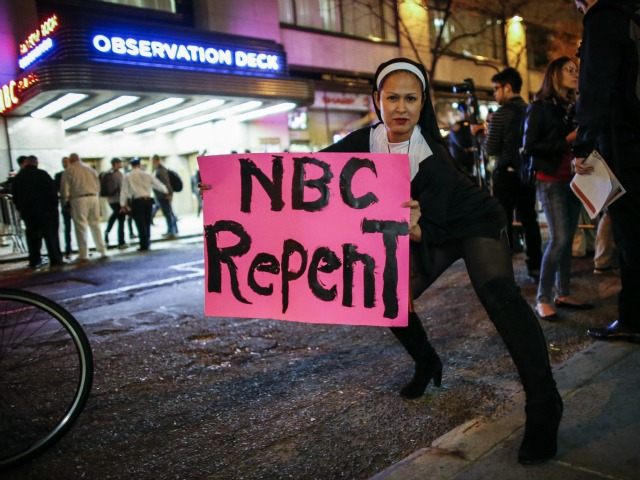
x=467, y=135
x=503, y=141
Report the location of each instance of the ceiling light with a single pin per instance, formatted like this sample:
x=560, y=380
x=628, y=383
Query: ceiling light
x=185, y=112
x=58, y=104
x=99, y=110
x=143, y=112
x=220, y=114
x=263, y=112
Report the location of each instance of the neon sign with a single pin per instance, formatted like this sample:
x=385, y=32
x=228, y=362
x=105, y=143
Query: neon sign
x=38, y=42
x=9, y=92
x=185, y=54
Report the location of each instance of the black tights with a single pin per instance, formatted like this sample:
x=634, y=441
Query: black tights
x=489, y=265
x=485, y=258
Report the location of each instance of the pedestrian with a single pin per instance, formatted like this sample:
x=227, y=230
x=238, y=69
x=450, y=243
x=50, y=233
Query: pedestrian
x=136, y=192
x=503, y=142
x=457, y=219
x=36, y=198
x=80, y=187
x=65, y=208
x=195, y=181
x=608, y=116
x=548, y=134
x=164, y=199
x=6, y=185
x=110, y=186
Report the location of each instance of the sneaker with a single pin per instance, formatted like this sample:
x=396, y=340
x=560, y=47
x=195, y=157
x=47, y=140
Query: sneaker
x=122, y=246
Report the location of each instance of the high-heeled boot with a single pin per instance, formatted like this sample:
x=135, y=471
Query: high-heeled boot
x=523, y=337
x=428, y=365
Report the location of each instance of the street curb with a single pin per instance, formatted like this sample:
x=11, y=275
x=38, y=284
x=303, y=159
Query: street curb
x=458, y=449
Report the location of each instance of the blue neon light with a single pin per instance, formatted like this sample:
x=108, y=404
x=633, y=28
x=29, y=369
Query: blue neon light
x=36, y=53
x=143, y=50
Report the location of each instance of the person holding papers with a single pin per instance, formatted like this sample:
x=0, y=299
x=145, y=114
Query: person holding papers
x=453, y=218
x=548, y=133
x=608, y=115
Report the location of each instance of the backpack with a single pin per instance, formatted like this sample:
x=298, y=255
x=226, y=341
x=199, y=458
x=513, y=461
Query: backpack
x=108, y=185
x=175, y=181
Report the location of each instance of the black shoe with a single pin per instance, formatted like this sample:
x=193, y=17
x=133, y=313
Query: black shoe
x=540, y=442
x=614, y=331
x=421, y=378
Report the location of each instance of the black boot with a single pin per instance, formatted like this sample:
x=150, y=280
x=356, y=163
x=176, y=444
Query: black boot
x=540, y=442
x=428, y=364
x=520, y=331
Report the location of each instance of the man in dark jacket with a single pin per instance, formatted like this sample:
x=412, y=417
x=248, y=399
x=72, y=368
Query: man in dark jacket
x=36, y=198
x=503, y=142
x=608, y=116
x=164, y=199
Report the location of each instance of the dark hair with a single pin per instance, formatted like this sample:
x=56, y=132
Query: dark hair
x=551, y=82
x=509, y=76
x=428, y=123
x=21, y=159
x=115, y=160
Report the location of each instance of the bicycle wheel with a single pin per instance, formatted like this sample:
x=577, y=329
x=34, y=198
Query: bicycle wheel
x=46, y=370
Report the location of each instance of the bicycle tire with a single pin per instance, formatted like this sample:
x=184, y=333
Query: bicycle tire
x=46, y=373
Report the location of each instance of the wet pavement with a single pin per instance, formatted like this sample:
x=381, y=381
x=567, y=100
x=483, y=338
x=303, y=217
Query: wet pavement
x=179, y=395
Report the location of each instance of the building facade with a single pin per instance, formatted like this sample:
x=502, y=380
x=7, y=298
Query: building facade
x=177, y=78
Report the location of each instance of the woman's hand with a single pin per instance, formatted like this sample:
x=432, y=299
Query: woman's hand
x=415, y=232
x=581, y=167
x=202, y=187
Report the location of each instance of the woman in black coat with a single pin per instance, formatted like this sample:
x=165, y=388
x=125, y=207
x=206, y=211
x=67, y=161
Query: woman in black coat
x=548, y=134
x=456, y=219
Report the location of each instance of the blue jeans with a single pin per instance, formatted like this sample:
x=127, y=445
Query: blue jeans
x=561, y=207
x=167, y=211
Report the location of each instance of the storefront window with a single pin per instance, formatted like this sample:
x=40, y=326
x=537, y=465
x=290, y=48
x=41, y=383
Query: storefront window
x=163, y=5
x=467, y=32
x=543, y=45
x=372, y=19
x=537, y=46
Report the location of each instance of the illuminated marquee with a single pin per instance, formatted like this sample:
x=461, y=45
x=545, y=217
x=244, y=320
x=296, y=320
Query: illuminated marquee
x=185, y=54
x=9, y=92
x=38, y=43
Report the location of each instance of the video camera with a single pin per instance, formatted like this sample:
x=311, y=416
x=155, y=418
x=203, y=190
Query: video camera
x=469, y=88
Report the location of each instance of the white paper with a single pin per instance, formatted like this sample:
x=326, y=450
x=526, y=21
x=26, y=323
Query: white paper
x=599, y=189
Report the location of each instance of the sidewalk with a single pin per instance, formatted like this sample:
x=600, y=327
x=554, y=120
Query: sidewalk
x=598, y=437
x=189, y=226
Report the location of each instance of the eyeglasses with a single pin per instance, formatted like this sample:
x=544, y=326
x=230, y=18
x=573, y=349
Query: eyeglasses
x=570, y=70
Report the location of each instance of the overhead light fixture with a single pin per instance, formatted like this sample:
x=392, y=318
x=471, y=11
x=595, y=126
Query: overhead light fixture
x=263, y=112
x=143, y=112
x=99, y=110
x=185, y=112
x=58, y=104
x=218, y=115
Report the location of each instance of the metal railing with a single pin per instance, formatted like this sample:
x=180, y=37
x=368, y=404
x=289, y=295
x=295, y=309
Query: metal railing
x=10, y=224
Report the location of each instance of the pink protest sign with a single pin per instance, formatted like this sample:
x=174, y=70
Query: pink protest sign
x=317, y=237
